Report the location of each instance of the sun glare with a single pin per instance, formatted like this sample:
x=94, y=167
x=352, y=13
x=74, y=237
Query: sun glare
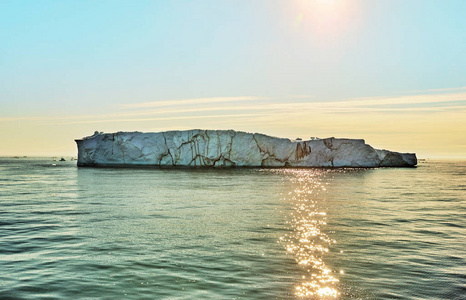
x=328, y=2
x=325, y=17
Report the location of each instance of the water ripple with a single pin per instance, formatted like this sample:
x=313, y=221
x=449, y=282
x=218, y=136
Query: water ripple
x=308, y=243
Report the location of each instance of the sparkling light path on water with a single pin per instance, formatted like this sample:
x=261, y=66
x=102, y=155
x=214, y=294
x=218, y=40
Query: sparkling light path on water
x=307, y=242
x=215, y=234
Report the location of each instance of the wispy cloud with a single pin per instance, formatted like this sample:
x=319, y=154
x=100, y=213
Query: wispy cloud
x=248, y=106
x=438, y=90
x=193, y=101
x=412, y=99
x=448, y=89
x=165, y=118
x=300, y=96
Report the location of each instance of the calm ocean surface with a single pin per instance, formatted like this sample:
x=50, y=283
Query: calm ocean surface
x=231, y=234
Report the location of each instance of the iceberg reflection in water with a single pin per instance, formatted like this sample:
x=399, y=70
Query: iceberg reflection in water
x=307, y=242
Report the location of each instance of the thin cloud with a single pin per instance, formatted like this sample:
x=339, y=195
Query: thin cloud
x=349, y=105
x=300, y=96
x=193, y=101
x=413, y=99
x=225, y=107
x=438, y=90
x=448, y=89
x=164, y=118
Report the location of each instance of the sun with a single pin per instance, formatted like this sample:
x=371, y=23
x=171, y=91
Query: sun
x=325, y=17
x=326, y=2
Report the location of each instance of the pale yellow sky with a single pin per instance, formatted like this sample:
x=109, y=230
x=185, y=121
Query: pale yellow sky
x=431, y=123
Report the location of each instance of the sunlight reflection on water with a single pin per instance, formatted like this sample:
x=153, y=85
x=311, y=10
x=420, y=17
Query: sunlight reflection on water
x=307, y=242
x=197, y=234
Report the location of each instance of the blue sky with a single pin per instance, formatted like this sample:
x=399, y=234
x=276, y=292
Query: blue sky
x=65, y=66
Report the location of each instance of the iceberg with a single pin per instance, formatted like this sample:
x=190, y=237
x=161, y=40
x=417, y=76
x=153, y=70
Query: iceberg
x=229, y=148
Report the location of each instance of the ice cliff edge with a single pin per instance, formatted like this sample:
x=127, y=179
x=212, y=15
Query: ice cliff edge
x=229, y=148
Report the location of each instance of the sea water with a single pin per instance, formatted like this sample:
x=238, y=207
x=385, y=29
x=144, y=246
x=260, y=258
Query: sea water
x=387, y=233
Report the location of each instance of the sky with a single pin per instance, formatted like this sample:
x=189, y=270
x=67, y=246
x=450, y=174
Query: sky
x=392, y=72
